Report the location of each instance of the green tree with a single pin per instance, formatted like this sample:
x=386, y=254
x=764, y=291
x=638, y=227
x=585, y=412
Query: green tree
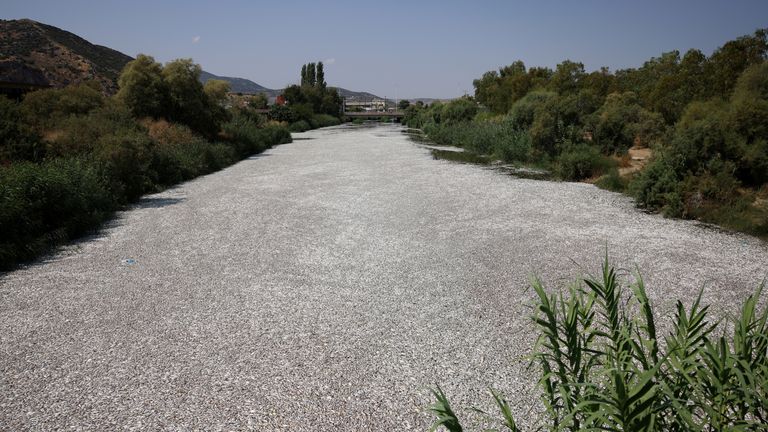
x=458, y=111
x=567, y=77
x=259, y=101
x=217, y=91
x=403, y=104
x=320, y=77
x=304, y=79
x=189, y=102
x=524, y=110
x=729, y=61
x=143, y=89
x=331, y=103
x=749, y=118
x=311, y=74
x=43, y=109
x=621, y=123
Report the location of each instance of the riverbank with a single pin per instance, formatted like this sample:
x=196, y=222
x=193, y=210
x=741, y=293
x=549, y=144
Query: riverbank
x=747, y=214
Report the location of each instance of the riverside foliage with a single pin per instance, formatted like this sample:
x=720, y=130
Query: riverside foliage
x=603, y=365
x=704, y=118
x=72, y=156
x=312, y=104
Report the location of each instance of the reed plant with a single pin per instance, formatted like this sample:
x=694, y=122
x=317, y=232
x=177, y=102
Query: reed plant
x=602, y=365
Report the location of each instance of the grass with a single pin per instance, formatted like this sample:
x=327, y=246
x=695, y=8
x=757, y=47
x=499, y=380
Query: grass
x=603, y=366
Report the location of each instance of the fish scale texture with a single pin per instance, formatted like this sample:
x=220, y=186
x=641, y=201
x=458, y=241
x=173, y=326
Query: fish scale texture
x=325, y=285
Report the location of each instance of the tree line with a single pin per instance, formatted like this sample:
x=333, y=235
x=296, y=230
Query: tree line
x=705, y=119
x=310, y=104
x=70, y=157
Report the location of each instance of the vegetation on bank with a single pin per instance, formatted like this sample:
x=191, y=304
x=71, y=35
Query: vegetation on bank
x=70, y=157
x=603, y=366
x=705, y=119
x=310, y=105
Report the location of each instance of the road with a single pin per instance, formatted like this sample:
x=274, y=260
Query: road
x=324, y=285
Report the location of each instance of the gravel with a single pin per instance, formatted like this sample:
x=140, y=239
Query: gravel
x=324, y=285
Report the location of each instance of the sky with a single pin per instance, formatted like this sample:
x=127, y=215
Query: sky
x=398, y=49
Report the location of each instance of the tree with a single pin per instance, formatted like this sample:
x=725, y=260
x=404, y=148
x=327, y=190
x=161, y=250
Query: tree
x=729, y=61
x=320, y=77
x=217, y=91
x=311, y=75
x=44, y=108
x=622, y=122
x=304, y=79
x=259, y=101
x=524, y=110
x=403, y=104
x=189, y=102
x=143, y=89
x=459, y=110
x=331, y=102
x=567, y=77
x=749, y=118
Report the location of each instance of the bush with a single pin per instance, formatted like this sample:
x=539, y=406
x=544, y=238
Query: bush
x=126, y=156
x=44, y=204
x=658, y=187
x=604, y=367
x=458, y=111
x=44, y=108
x=524, y=110
x=613, y=181
x=513, y=145
x=17, y=142
x=299, y=126
x=246, y=136
x=324, y=120
x=581, y=161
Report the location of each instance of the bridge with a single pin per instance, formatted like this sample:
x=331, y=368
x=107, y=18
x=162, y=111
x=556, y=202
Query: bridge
x=396, y=115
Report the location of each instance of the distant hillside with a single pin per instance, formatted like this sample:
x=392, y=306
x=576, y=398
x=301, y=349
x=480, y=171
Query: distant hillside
x=349, y=94
x=35, y=53
x=240, y=85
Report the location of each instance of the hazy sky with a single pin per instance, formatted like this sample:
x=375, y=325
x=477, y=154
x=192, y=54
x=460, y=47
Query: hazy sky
x=397, y=48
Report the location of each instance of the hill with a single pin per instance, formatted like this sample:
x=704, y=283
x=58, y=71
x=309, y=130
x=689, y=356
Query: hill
x=35, y=53
x=240, y=85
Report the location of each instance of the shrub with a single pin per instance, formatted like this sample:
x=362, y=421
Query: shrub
x=126, y=156
x=281, y=113
x=17, y=142
x=513, y=145
x=246, y=136
x=581, y=161
x=658, y=187
x=604, y=367
x=44, y=204
x=44, y=108
x=299, y=126
x=524, y=110
x=612, y=181
x=458, y=111
x=324, y=120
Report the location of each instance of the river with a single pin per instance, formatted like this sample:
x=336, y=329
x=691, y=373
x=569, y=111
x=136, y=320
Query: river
x=325, y=285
